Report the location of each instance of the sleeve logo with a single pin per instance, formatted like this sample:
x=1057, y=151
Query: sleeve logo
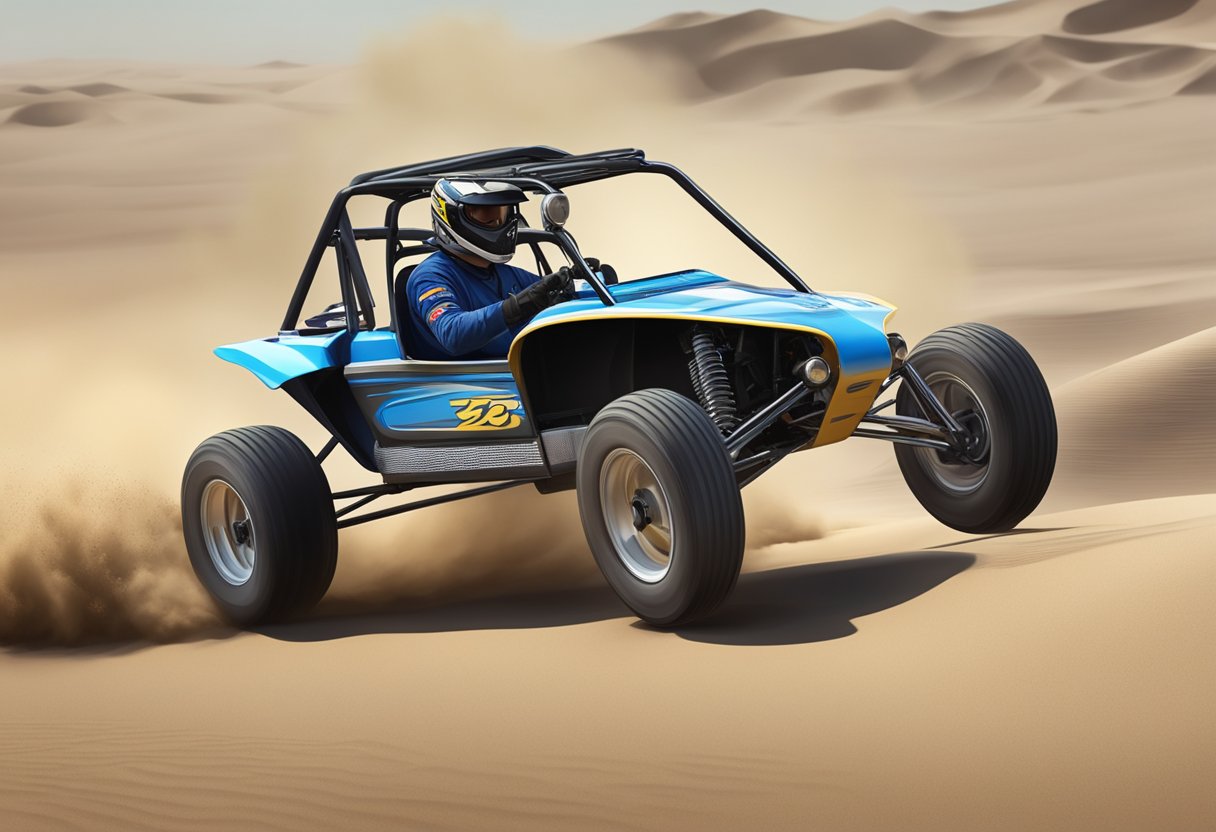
x=437, y=311
x=430, y=293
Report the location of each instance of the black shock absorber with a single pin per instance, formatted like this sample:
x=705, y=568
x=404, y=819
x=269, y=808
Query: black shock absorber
x=711, y=382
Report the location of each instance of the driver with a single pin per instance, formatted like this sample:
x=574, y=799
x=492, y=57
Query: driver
x=465, y=302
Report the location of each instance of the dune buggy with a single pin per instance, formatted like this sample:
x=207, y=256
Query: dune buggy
x=656, y=399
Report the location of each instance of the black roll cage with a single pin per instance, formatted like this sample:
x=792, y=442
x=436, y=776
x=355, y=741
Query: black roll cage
x=538, y=169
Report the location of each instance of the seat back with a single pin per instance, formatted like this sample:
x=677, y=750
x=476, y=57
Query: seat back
x=401, y=306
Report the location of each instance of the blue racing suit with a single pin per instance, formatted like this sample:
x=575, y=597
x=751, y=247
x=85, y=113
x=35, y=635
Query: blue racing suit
x=456, y=311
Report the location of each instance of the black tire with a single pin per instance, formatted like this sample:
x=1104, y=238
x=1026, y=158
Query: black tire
x=287, y=557
x=694, y=496
x=1006, y=476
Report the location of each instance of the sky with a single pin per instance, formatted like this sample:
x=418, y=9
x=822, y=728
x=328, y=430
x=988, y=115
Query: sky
x=307, y=31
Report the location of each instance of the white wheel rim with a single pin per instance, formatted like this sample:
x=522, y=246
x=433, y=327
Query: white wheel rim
x=637, y=514
x=956, y=395
x=228, y=532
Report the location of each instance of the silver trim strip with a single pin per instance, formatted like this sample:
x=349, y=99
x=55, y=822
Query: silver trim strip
x=416, y=367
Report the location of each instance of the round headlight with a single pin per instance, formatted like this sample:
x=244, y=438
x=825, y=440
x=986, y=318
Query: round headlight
x=815, y=372
x=899, y=348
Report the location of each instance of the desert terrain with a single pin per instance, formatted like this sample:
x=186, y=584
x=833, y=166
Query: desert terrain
x=1048, y=167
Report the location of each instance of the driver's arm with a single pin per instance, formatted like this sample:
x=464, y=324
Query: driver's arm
x=458, y=331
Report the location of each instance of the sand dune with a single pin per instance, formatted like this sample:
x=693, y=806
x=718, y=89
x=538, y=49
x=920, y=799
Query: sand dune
x=98, y=89
x=697, y=37
x=953, y=58
x=1204, y=84
x=883, y=45
x=1167, y=61
x=54, y=113
x=1143, y=425
x=1116, y=15
x=200, y=97
x=1093, y=51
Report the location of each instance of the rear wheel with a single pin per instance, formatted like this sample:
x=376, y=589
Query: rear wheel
x=994, y=390
x=660, y=506
x=259, y=524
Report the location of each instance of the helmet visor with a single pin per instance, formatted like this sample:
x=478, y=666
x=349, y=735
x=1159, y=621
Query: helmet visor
x=488, y=216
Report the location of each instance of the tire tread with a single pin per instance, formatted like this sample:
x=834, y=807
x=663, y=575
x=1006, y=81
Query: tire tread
x=685, y=432
x=297, y=531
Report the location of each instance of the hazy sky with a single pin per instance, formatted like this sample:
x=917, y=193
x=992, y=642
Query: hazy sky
x=252, y=31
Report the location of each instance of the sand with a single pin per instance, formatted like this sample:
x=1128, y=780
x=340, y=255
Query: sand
x=1048, y=167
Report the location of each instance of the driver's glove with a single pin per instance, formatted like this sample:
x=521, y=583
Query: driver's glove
x=560, y=283
x=542, y=294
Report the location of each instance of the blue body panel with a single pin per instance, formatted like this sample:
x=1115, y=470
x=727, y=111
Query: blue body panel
x=406, y=403
x=854, y=325
x=282, y=358
x=374, y=346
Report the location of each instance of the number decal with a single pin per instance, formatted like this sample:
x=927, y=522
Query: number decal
x=488, y=412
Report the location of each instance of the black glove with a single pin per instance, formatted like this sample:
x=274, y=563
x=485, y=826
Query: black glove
x=606, y=272
x=560, y=283
x=550, y=289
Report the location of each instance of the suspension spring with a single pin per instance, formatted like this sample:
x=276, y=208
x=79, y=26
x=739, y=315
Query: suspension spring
x=711, y=382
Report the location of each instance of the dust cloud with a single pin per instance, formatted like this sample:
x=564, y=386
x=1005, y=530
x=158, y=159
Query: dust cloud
x=113, y=566
x=100, y=568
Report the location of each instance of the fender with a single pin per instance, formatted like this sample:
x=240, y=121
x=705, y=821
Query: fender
x=281, y=358
x=852, y=328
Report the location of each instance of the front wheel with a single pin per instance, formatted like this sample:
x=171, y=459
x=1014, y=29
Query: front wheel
x=660, y=506
x=991, y=386
x=259, y=524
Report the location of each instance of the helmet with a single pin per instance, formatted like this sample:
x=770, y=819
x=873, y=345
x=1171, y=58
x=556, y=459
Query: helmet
x=456, y=231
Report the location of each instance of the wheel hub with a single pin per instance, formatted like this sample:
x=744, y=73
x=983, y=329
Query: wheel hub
x=228, y=532
x=640, y=508
x=637, y=515
x=963, y=470
x=975, y=445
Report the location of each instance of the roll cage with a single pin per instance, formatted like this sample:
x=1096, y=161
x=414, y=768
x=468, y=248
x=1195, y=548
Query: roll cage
x=537, y=169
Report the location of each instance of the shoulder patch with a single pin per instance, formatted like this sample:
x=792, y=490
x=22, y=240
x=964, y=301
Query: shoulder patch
x=437, y=311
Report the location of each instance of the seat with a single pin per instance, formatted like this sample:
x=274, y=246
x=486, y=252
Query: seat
x=401, y=311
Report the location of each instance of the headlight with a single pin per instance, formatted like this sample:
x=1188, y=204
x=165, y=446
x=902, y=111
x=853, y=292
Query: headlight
x=899, y=350
x=815, y=372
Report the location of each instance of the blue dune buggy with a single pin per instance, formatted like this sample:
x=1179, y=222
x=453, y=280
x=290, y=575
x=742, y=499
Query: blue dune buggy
x=657, y=399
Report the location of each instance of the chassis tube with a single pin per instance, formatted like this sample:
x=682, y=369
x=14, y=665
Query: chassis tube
x=324, y=236
x=756, y=425
x=430, y=501
x=576, y=257
x=928, y=402
x=723, y=216
x=907, y=423
x=904, y=439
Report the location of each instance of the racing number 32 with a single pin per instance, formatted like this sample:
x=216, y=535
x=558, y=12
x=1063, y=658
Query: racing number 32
x=487, y=413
